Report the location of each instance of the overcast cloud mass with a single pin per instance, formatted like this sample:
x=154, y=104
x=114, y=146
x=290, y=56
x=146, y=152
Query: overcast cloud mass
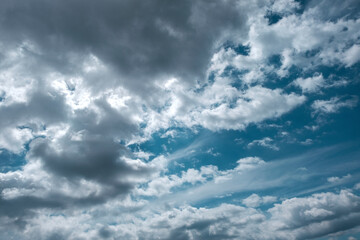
x=206, y=119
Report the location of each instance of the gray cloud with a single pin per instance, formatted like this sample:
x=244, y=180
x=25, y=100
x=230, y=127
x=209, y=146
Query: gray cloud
x=41, y=106
x=23, y=205
x=141, y=40
x=92, y=159
x=107, y=121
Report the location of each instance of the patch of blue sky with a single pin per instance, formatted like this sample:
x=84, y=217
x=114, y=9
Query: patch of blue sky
x=273, y=17
x=10, y=161
x=275, y=60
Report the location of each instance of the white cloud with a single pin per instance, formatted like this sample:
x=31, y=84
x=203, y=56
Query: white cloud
x=338, y=179
x=13, y=139
x=352, y=55
x=317, y=215
x=253, y=106
x=308, y=141
x=255, y=200
x=334, y=104
x=265, y=142
x=211, y=152
x=248, y=163
x=161, y=185
x=311, y=84
x=285, y=6
x=306, y=41
x=169, y=133
x=143, y=155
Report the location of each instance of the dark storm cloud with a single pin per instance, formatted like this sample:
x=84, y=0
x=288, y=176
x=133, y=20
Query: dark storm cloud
x=95, y=160
x=92, y=159
x=141, y=39
x=94, y=156
x=43, y=106
x=18, y=211
x=22, y=206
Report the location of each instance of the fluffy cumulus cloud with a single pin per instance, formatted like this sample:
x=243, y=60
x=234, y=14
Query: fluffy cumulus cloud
x=310, y=84
x=317, y=215
x=100, y=103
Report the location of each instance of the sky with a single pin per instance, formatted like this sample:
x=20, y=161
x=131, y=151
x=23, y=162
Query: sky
x=188, y=120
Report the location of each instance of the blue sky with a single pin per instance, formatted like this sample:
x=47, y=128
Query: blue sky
x=180, y=119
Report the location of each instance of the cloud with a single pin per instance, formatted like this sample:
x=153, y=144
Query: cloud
x=212, y=153
x=67, y=174
x=249, y=163
x=292, y=218
x=14, y=139
x=338, y=179
x=164, y=184
x=317, y=215
x=210, y=174
x=252, y=107
x=296, y=218
x=351, y=56
x=308, y=141
x=255, y=200
x=156, y=41
x=334, y=104
x=90, y=159
x=311, y=84
x=265, y=142
x=308, y=45
x=284, y=6
x=335, y=11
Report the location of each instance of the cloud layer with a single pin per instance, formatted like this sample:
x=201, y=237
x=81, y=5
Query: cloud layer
x=104, y=106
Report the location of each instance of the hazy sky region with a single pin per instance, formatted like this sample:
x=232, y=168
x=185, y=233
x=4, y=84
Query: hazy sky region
x=179, y=119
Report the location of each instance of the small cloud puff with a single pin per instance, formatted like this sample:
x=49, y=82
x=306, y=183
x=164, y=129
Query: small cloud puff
x=265, y=142
x=255, y=200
